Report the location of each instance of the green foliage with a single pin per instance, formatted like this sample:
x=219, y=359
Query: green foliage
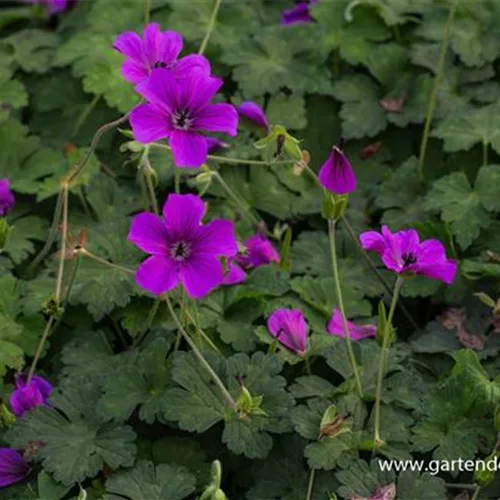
x=134, y=413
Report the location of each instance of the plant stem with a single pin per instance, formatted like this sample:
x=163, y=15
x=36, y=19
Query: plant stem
x=41, y=344
x=241, y=203
x=232, y=161
x=194, y=321
x=475, y=496
x=51, y=236
x=93, y=145
x=201, y=358
x=90, y=255
x=211, y=26
x=62, y=257
x=311, y=484
x=485, y=153
x=383, y=359
x=461, y=486
x=377, y=273
x=147, y=169
x=147, y=12
x=85, y=114
x=437, y=82
x=340, y=301
x=177, y=180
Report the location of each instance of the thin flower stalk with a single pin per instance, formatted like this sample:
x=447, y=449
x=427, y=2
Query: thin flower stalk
x=200, y=357
x=338, y=290
x=64, y=237
x=310, y=486
x=437, y=82
x=39, y=349
x=211, y=26
x=148, y=176
x=384, y=355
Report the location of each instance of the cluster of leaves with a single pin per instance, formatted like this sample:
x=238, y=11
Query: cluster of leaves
x=133, y=414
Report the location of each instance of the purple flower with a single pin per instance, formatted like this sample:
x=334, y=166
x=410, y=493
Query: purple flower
x=404, y=253
x=7, y=199
x=155, y=50
x=336, y=174
x=214, y=145
x=298, y=14
x=27, y=396
x=259, y=251
x=179, y=111
x=13, y=467
x=182, y=249
x=289, y=328
x=254, y=113
x=357, y=332
x=53, y=6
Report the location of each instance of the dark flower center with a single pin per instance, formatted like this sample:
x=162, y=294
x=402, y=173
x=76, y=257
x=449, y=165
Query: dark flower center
x=409, y=259
x=181, y=119
x=180, y=251
x=163, y=64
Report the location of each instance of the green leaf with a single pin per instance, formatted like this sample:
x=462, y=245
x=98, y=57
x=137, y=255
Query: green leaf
x=20, y=241
x=77, y=443
x=465, y=208
x=48, y=489
x=289, y=111
x=141, y=384
x=361, y=113
x=149, y=482
x=13, y=94
x=198, y=404
x=462, y=130
x=271, y=60
x=30, y=49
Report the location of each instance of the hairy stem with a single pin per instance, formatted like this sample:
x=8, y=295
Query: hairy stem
x=241, y=203
x=148, y=175
x=93, y=145
x=431, y=107
x=85, y=114
x=475, y=496
x=39, y=350
x=62, y=257
x=382, y=365
x=201, y=358
x=340, y=301
x=310, y=486
x=194, y=321
x=86, y=253
x=147, y=12
x=211, y=26
x=51, y=236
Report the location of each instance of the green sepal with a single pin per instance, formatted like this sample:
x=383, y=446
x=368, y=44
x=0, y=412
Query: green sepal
x=486, y=476
x=276, y=141
x=4, y=233
x=7, y=418
x=334, y=205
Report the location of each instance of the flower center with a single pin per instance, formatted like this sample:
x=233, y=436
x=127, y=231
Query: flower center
x=162, y=64
x=181, y=119
x=180, y=251
x=409, y=259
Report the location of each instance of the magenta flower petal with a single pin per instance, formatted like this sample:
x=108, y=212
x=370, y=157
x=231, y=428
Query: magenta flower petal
x=253, y=112
x=192, y=62
x=215, y=144
x=357, y=332
x=149, y=233
x=259, y=252
x=7, y=198
x=336, y=174
x=183, y=249
x=130, y=45
x=149, y=124
x=289, y=328
x=13, y=467
x=180, y=111
x=217, y=237
x=298, y=14
x=218, y=118
x=189, y=149
x=183, y=214
x=157, y=275
x=201, y=274
x=30, y=395
x=403, y=253
x=156, y=49
x=234, y=275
